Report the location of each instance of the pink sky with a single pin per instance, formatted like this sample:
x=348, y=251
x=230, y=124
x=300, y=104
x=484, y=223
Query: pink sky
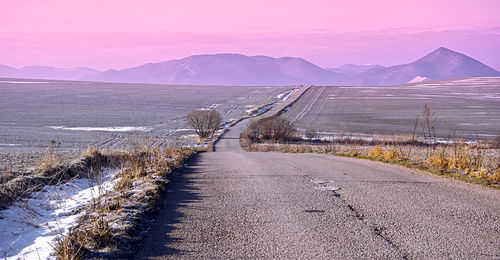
x=116, y=33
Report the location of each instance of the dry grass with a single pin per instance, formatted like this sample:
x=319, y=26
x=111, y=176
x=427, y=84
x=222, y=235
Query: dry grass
x=477, y=163
x=68, y=249
x=495, y=177
x=51, y=159
x=96, y=234
x=114, y=216
x=91, y=151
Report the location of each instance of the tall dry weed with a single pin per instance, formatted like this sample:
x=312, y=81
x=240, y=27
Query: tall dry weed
x=51, y=159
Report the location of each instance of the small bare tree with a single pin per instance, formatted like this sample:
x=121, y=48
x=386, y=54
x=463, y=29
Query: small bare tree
x=428, y=125
x=205, y=123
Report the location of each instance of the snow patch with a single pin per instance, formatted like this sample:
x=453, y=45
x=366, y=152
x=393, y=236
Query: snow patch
x=260, y=111
x=105, y=129
x=418, y=79
x=284, y=96
x=28, y=228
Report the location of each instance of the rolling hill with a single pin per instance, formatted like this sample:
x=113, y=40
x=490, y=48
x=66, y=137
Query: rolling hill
x=225, y=69
x=353, y=69
x=46, y=72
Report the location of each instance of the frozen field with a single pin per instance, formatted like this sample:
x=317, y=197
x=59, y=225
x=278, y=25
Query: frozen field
x=79, y=114
x=472, y=106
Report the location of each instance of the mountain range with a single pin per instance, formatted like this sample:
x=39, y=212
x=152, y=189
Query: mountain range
x=45, y=72
x=237, y=69
x=225, y=69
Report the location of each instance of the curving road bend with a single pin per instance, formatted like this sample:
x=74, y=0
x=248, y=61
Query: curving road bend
x=232, y=204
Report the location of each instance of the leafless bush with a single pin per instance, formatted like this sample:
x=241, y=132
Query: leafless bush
x=204, y=122
x=428, y=125
x=270, y=128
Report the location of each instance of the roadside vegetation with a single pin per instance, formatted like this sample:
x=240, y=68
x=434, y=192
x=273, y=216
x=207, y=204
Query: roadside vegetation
x=475, y=161
x=113, y=222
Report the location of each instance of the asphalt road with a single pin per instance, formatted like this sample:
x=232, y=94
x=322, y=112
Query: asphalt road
x=231, y=204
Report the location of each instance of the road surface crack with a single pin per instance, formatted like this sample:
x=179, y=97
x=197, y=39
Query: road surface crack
x=379, y=231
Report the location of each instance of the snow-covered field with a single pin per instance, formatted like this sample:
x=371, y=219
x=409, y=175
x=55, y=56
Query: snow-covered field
x=78, y=114
x=28, y=228
x=469, y=106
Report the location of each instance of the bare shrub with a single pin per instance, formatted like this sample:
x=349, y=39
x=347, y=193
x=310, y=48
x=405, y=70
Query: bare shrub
x=270, y=128
x=413, y=139
x=204, y=122
x=428, y=125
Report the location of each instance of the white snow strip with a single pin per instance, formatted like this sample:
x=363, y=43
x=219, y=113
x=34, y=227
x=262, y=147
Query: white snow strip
x=259, y=111
x=10, y=145
x=105, y=129
x=263, y=109
x=28, y=228
x=182, y=130
x=418, y=79
x=284, y=96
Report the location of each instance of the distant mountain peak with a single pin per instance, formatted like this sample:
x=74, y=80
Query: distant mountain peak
x=443, y=49
x=442, y=53
x=441, y=63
